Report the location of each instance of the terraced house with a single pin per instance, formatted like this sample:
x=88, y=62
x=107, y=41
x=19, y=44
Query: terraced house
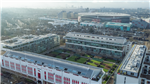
x=32, y=43
x=107, y=46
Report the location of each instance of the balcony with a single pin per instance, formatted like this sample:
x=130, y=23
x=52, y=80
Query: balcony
x=147, y=76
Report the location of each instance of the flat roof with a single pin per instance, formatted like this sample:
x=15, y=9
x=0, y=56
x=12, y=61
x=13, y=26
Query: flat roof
x=86, y=70
x=24, y=39
x=118, y=24
x=103, y=14
x=120, y=40
x=134, y=58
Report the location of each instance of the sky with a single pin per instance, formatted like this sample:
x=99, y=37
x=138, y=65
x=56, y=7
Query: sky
x=75, y=3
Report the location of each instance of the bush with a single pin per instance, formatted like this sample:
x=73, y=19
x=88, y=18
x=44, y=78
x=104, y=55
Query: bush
x=88, y=60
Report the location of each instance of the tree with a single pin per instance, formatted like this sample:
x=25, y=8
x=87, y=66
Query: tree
x=91, y=30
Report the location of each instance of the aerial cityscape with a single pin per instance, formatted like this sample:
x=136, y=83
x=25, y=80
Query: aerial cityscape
x=75, y=42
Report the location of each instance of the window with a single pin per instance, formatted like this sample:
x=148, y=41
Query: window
x=12, y=65
x=7, y=63
x=148, y=82
x=2, y=62
x=34, y=72
x=58, y=79
x=97, y=37
x=30, y=72
x=132, y=74
x=124, y=80
x=18, y=67
x=45, y=75
x=75, y=82
x=66, y=80
x=23, y=69
x=51, y=77
x=39, y=75
x=110, y=39
x=83, y=83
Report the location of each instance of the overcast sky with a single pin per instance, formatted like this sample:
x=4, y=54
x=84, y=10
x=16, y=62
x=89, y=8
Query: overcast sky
x=76, y=3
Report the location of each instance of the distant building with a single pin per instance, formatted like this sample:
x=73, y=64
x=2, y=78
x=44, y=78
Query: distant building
x=129, y=71
x=49, y=70
x=62, y=15
x=139, y=23
x=122, y=26
x=105, y=46
x=104, y=17
x=32, y=43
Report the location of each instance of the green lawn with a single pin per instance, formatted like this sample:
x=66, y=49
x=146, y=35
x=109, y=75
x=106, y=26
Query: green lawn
x=106, y=70
x=58, y=56
x=56, y=53
x=108, y=64
x=94, y=61
x=87, y=55
x=92, y=64
x=102, y=66
x=72, y=58
x=82, y=60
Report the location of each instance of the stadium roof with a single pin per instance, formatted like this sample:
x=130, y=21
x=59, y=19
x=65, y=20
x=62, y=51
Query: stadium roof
x=72, y=67
x=103, y=14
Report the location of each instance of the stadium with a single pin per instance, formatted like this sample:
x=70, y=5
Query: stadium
x=104, y=17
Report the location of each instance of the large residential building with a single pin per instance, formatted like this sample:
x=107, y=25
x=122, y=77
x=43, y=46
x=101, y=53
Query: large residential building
x=131, y=67
x=106, y=46
x=104, y=17
x=48, y=70
x=32, y=43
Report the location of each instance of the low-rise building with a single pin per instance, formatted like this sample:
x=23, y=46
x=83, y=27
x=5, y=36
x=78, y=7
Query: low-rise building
x=106, y=46
x=32, y=43
x=122, y=26
x=49, y=70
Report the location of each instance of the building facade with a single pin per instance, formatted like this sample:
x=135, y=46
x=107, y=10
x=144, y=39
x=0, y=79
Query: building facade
x=104, y=17
x=122, y=26
x=106, y=46
x=48, y=70
x=32, y=43
x=129, y=71
x=145, y=70
x=139, y=23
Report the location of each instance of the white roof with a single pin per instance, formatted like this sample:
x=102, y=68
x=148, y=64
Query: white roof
x=133, y=61
x=23, y=40
x=112, y=39
x=103, y=14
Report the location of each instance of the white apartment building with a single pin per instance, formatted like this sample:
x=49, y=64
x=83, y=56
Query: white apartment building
x=49, y=70
x=129, y=72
